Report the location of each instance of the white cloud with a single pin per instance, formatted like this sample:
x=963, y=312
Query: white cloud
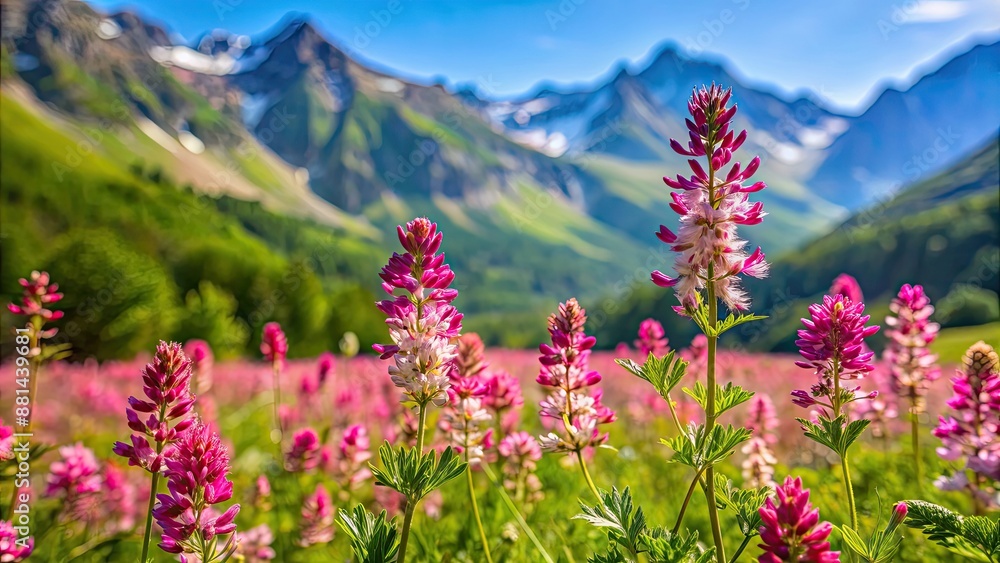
x=935, y=11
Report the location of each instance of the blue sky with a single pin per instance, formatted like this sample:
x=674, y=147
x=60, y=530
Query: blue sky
x=842, y=50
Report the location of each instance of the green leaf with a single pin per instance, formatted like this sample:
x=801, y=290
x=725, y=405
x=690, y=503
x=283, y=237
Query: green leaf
x=726, y=398
x=744, y=502
x=414, y=475
x=733, y=321
x=694, y=449
x=666, y=547
x=612, y=556
x=373, y=538
x=854, y=541
x=833, y=433
x=625, y=522
x=975, y=537
x=664, y=373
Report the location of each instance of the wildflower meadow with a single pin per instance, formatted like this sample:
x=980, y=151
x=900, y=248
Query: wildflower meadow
x=433, y=446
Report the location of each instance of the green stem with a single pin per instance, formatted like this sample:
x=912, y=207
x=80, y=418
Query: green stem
x=673, y=415
x=713, y=318
x=736, y=556
x=404, y=535
x=586, y=475
x=850, y=491
x=475, y=513
x=516, y=513
x=276, y=433
x=149, y=517
x=915, y=438
x=687, y=499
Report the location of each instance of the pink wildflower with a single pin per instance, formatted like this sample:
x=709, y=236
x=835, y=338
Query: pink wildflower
x=317, y=519
x=13, y=549
x=303, y=455
x=909, y=334
x=791, y=529
x=652, y=339
x=273, y=344
x=712, y=204
x=255, y=545
x=565, y=367
x=422, y=322
x=166, y=384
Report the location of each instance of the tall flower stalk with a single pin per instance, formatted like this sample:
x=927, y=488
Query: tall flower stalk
x=911, y=362
x=566, y=369
x=712, y=203
x=36, y=298
x=972, y=432
x=166, y=384
x=424, y=328
x=832, y=345
x=274, y=347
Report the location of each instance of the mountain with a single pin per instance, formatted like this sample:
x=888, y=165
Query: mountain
x=906, y=135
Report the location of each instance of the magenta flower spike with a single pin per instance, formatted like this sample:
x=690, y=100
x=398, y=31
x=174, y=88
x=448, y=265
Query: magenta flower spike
x=652, y=338
x=353, y=454
x=163, y=415
x=909, y=333
x=423, y=325
x=201, y=362
x=274, y=347
x=76, y=479
x=847, y=286
x=197, y=481
x=791, y=529
x=6, y=442
x=13, y=548
x=565, y=368
x=711, y=206
x=317, y=519
x=324, y=367
x=973, y=431
x=304, y=453
x=38, y=294
x=521, y=452
x=758, y=466
x=832, y=345
x=466, y=420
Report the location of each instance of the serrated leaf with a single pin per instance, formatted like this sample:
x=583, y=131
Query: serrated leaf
x=697, y=450
x=624, y=522
x=414, y=475
x=666, y=547
x=733, y=321
x=983, y=533
x=949, y=530
x=726, y=398
x=834, y=434
x=663, y=373
x=745, y=503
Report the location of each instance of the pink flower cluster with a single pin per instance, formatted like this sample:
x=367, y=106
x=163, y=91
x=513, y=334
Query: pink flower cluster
x=353, y=454
x=521, y=453
x=197, y=480
x=38, y=294
x=166, y=384
x=711, y=206
x=566, y=369
x=6, y=442
x=466, y=420
x=304, y=453
x=12, y=548
x=973, y=432
x=422, y=322
x=832, y=344
x=758, y=466
x=652, y=338
x=791, y=529
x=317, y=518
x=910, y=332
x=76, y=478
x=274, y=344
